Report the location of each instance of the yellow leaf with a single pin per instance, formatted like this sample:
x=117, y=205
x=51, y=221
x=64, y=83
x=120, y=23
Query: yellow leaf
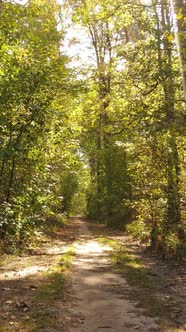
x=179, y=16
x=170, y=38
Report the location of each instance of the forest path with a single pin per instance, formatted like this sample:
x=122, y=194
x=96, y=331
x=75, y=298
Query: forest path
x=69, y=282
x=99, y=294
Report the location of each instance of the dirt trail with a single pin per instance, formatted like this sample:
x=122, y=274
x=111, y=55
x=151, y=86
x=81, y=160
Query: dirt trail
x=36, y=294
x=99, y=296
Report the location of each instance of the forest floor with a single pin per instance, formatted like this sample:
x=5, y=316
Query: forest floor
x=87, y=278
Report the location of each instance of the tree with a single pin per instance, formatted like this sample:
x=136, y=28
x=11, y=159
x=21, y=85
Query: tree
x=33, y=75
x=133, y=134
x=180, y=10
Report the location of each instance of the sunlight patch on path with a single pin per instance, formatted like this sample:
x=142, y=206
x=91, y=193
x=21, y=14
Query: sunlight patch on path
x=99, y=295
x=42, y=261
x=91, y=247
x=13, y=275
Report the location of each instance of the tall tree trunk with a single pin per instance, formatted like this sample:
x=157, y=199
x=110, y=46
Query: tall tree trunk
x=180, y=9
x=10, y=181
x=173, y=168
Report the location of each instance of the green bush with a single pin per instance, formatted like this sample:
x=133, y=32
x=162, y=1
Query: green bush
x=140, y=230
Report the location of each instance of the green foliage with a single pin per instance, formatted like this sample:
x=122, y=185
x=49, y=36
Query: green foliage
x=132, y=120
x=33, y=81
x=69, y=187
x=139, y=230
x=107, y=138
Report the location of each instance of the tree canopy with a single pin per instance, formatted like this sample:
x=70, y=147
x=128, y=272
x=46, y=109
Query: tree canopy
x=99, y=132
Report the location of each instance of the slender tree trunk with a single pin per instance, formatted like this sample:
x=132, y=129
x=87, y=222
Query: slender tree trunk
x=2, y=168
x=180, y=9
x=10, y=180
x=173, y=168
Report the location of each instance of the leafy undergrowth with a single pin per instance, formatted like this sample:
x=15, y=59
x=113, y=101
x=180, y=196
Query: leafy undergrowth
x=147, y=288
x=32, y=235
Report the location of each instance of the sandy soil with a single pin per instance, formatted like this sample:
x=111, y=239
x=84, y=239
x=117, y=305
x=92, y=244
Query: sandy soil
x=96, y=298
x=99, y=295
